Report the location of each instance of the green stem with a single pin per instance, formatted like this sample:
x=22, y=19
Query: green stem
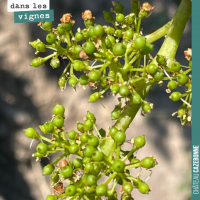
x=114, y=185
x=50, y=56
x=71, y=70
x=158, y=33
x=130, y=153
x=138, y=25
x=120, y=77
x=137, y=79
x=61, y=195
x=58, y=159
x=130, y=177
x=56, y=151
x=104, y=66
x=85, y=197
x=102, y=174
x=95, y=67
x=187, y=71
x=134, y=59
x=110, y=178
x=145, y=60
x=137, y=69
x=133, y=165
x=64, y=136
x=66, y=68
x=103, y=91
x=70, y=58
x=126, y=58
x=113, y=150
x=189, y=102
x=68, y=38
x=132, y=54
x=45, y=139
x=118, y=153
x=96, y=129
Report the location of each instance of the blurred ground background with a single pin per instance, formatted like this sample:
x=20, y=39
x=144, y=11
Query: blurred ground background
x=27, y=96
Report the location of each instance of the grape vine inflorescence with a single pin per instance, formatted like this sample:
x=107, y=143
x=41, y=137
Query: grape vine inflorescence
x=87, y=156
x=116, y=53
x=109, y=58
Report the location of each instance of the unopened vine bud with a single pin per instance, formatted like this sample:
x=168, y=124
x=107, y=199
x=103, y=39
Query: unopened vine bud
x=143, y=14
x=143, y=188
x=38, y=155
x=72, y=81
x=109, y=30
x=94, y=97
x=40, y=46
x=136, y=99
x=148, y=162
x=160, y=60
x=36, y=62
x=172, y=85
x=49, y=127
x=130, y=19
x=34, y=43
x=115, y=114
x=31, y=133
x=47, y=26
x=62, y=82
x=147, y=49
x=151, y=69
x=146, y=107
x=140, y=141
x=120, y=17
x=135, y=160
x=118, y=33
x=175, y=96
x=51, y=37
x=80, y=127
x=182, y=79
x=115, y=88
x=181, y=111
x=55, y=62
x=48, y=169
x=175, y=66
x=67, y=25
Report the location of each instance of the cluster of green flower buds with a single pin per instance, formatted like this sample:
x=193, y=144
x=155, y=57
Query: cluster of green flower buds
x=181, y=78
x=86, y=157
x=116, y=52
x=176, y=76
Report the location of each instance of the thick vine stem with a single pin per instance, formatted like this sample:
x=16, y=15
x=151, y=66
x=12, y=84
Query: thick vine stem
x=179, y=21
x=168, y=49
